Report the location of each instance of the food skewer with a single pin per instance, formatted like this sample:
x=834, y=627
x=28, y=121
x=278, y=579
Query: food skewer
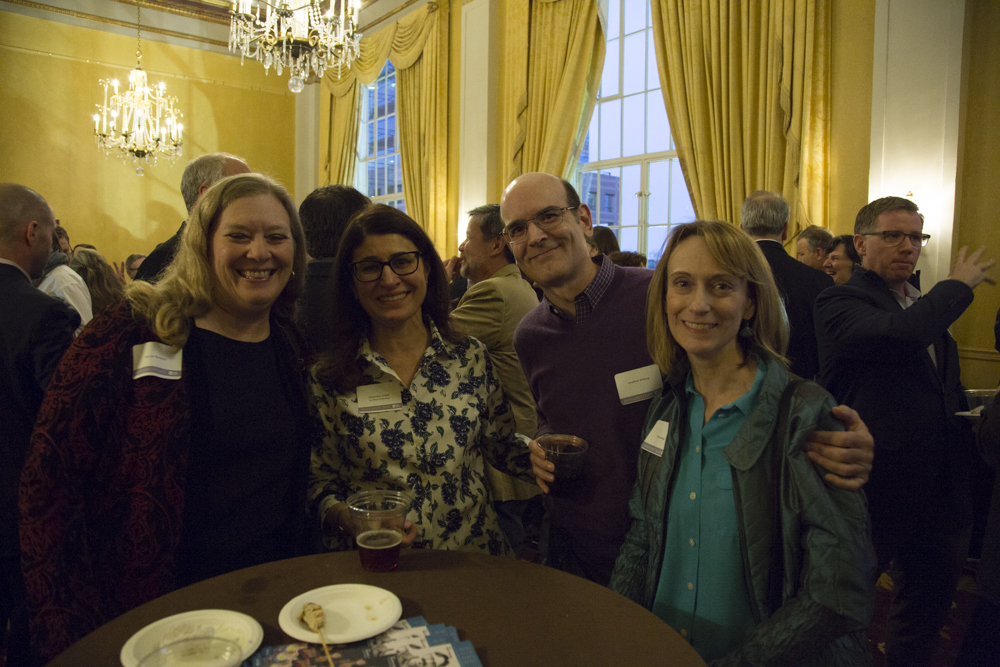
x=312, y=615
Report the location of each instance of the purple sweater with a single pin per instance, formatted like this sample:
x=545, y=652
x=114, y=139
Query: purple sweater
x=571, y=370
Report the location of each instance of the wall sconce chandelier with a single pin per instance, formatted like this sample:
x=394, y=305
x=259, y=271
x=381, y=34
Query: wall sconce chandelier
x=142, y=122
x=303, y=39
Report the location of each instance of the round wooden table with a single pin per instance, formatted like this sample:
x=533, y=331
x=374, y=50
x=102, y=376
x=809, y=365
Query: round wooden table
x=517, y=614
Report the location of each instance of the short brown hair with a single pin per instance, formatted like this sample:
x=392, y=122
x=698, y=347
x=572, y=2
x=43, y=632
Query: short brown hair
x=735, y=253
x=867, y=219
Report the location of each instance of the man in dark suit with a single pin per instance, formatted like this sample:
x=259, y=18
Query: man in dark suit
x=764, y=217
x=885, y=349
x=35, y=330
x=198, y=176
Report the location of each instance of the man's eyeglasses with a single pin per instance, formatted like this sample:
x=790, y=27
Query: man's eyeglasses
x=546, y=219
x=895, y=237
x=402, y=264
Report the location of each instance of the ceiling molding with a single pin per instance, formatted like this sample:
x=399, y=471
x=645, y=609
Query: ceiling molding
x=117, y=22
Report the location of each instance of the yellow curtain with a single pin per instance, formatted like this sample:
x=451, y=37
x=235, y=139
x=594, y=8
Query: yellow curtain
x=746, y=85
x=417, y=47
x=554, y=54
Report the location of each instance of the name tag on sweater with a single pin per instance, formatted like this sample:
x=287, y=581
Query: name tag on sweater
x=379, y=398
x=156, y=360
x=657, y=438
x=638, y=385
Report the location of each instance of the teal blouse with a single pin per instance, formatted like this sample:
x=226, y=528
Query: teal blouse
x=702, y=590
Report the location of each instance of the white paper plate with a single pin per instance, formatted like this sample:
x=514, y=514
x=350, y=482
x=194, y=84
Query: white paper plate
x=353, y=612
x=240, y=628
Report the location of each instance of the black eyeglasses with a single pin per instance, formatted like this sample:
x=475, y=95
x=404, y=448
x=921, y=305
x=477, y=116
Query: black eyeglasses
x=896, y=237
x=402, y=264
x=547, y=218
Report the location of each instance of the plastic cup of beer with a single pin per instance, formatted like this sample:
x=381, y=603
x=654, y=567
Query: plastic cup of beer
x=378, y=518
x=566, y=452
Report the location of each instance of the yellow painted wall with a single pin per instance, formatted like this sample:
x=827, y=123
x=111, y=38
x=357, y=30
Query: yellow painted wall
x=48, y=89
x=851, y=57
x=977, y=222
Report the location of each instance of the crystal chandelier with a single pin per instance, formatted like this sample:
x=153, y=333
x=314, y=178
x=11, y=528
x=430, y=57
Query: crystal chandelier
x=140, y=123
x=303, y=39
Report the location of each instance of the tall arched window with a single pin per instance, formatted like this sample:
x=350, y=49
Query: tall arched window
x=379, y=172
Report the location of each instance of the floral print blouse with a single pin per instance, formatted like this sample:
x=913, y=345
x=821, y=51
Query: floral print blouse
x=454, y=414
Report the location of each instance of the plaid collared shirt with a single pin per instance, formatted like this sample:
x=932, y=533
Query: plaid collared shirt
x=588, y=299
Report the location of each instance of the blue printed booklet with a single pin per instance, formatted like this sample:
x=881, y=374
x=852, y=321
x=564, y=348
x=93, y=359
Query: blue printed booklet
x=411, y=642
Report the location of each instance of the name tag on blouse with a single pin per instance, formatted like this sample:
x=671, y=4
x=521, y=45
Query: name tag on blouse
x=156, y=360
x=379, y=398
x=638, y=385
x=656, y=439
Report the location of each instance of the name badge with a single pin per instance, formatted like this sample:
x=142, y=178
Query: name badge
x=156, y=360
x=379, y=398
x=656, y=439
x=638, y=385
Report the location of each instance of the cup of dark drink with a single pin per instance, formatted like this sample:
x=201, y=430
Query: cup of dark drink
x=566, y=452
x=378, y=518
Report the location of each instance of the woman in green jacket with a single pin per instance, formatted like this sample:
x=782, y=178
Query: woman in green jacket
x=737, y=543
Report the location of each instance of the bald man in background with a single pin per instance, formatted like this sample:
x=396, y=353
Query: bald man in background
x=35, y=330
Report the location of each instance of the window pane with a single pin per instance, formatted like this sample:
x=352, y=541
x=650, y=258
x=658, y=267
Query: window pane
x=611, y=130
x=634, y=71
x=656, y=238
x=633, y=130
x=371, y=104
x=380, y=182
x=652, y=75
x=380, y=88
x=631, y=184
x=614, y=18
x=681, y=209
x=371, y=179
x=657, y=125
x=390, y=175
x=635, y=15
x=659, y=193
x=590, y=143
x=390, y=101
x=371, y=139
x=609, y=77
x=399, y=176
x=390, y=134
x=380, y=137
x=610, y=196
x=588, y=193
x=628, y=239
x=585, y=151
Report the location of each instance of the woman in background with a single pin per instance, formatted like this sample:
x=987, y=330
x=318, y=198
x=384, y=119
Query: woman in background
x=841, y=259
x=106, y=288
x=736, y=542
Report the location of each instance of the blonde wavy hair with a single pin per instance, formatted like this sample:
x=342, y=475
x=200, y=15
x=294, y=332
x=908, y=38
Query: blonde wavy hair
x=736, y=254
x=104, y=285
x=185, y=289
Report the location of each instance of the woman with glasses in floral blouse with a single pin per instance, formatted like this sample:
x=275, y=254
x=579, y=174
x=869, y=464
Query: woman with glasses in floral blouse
x=408, y=404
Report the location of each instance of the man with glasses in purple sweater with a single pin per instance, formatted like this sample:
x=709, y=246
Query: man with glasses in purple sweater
x=583, y=350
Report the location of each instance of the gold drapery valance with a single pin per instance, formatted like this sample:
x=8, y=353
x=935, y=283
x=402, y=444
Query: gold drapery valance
x=746, y=85
x=417, y=47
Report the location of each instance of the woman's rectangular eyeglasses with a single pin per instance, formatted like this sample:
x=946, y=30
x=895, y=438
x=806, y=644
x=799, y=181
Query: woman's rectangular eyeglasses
x=402, y=264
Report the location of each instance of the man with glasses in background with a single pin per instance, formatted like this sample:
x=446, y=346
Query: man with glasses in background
x=583, y=350
x=885, y=349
